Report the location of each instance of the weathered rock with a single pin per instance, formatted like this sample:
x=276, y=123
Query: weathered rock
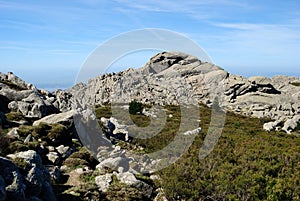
x=115, y=129
x=291, y=124
x=65, y=119
x=115, y=164
x=130, y=179
x=15, y=189
x=62, y=100
x=34, y=180
x=36, y=176
x=64, y=151
x=103, y=182
x=54, y=158
x=28, y=138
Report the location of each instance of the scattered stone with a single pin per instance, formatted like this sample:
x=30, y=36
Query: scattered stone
x=13, y=133
x=64, y=151
x=54, y=158
x=115, y=164
x=28, y=138
x=103, y=182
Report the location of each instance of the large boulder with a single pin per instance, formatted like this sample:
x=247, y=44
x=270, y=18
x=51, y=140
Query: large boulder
x=13, y=180
x=65, y=118
x=34, y=180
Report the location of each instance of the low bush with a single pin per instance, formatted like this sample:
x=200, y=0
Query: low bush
x=135, y=107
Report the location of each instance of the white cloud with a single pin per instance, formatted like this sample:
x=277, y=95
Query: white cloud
x=196, y=9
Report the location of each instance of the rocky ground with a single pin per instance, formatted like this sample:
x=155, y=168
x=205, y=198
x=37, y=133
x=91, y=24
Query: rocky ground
x=42, y=157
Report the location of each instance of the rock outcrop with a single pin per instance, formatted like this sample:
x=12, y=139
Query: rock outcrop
x=28, y=179
x=175, y=78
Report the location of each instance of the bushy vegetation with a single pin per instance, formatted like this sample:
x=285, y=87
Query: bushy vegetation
x=135, y=107
x=15, y=116
x=51, y=135
x=248, y=163
x=296, y=84
x=83, y=157
x=4, y=144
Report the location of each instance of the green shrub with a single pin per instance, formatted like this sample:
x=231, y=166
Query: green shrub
x=135, y=107
x=4, y=144
x=296, y=84
x=41, y=130
x=74, y=163
x=15, y=116
x=59, y=134
x=86, y=155
x=118, y=191
x=17, y=146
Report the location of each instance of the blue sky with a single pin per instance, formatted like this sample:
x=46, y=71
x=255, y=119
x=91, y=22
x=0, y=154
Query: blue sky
x=46, y=42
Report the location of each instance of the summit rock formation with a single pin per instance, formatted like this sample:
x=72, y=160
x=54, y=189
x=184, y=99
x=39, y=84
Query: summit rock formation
x=177, y=78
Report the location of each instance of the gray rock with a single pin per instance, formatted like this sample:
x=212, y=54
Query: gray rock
x=115, y=164
x=54, y=157
x=31, y=157
x=129, y=179
x=64, y=151
x=13, y=106
x=37, y=177
x=28, y=138
x=291, y=124
x=115, y=129
x=15, y=189
x=65, y=118
x=34, y=180
x=103, y=182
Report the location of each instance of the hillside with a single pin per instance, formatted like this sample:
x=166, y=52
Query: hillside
x=194, y=132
